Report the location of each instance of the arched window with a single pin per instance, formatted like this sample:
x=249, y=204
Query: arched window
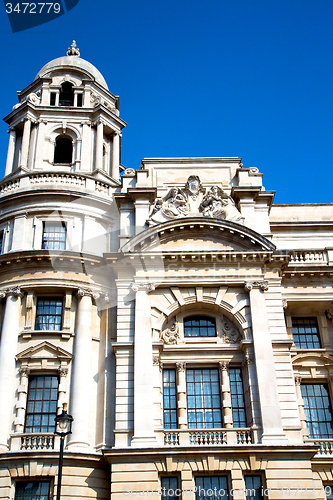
x=199, y=326
x=66, y=97
x=63, y=151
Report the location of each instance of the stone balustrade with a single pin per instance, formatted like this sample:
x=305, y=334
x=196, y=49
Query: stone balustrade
x=207, y=437
x=308, y=257
x=37, y=441
x=325, y=446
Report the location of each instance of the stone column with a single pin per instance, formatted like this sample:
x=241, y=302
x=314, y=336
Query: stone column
x=40, y=147
x=300, y=404
x=226, y=395
x=141, y=214
x=11, y=151
x=22, y=399
x=99, y=146
x=81, y=378
x=263, y=351
x=181, y=395
x=25, y=143
x=8, y=351
x=115, y=156
x=143, y=369
x=85, y=164
x=62, y=390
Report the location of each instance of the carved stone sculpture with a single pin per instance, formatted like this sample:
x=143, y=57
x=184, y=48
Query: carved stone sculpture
x=218, y=204
x=230, y=334
x=171, y=335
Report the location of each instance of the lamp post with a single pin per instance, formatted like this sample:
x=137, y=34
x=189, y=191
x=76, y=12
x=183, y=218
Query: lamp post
x=63, y=428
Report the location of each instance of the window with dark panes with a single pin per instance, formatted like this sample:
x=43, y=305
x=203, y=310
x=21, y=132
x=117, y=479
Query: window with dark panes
x=54, y=236
x=32, y=490
x=306, y=333
x=211, y=487
x=203, y=398
x=318, y=410
x=199, y=326
x=52, y=98
x=63, y=151
x=66, y=97
x=41, y=404
x=79, y=100
x=253, y=487
x=169, y=488
x=237, y=397
x=49, y=313
x=169, y=399
x=1, y=241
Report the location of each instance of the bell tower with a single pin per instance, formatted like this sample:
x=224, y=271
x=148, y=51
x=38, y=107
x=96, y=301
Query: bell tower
x=66, y=120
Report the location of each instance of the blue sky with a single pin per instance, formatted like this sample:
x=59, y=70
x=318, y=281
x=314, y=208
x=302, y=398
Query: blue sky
x=248, y=78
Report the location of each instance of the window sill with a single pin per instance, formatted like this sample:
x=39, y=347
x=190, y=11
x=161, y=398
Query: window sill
x=28, y=333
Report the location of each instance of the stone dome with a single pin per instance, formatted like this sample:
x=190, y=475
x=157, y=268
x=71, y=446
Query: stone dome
x=72, y=60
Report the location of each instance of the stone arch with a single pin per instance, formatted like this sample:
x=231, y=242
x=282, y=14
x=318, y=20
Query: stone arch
x=71, y=133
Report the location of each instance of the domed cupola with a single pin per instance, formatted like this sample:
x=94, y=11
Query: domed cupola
x=66, y=120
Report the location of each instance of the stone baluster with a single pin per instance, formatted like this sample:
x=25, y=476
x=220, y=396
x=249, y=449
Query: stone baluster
x=11, y=151
x=143, y=369
x=181, y=395
x=226, y=395
x=263, y=351
x=8, y=351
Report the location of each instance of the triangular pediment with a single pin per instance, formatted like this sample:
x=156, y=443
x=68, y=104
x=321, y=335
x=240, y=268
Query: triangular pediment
x=198, y=234
x=44, y=350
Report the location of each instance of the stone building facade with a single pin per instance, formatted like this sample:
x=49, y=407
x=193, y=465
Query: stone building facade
x=184, y=318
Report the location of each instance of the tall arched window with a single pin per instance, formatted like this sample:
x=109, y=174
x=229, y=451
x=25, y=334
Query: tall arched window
x=66, y=97
x=63, y=151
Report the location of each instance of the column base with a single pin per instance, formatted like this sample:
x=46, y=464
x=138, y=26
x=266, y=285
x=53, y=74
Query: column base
x=274, y=438
x=143, y=442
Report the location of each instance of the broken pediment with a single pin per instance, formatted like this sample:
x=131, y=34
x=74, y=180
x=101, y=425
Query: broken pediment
x=197, y=234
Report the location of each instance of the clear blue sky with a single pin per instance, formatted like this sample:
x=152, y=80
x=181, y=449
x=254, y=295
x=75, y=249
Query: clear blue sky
x=248, y=78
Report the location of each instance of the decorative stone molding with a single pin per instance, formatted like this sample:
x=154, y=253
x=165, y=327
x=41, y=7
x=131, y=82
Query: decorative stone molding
x=81, y=292
x=181, y=366
x=15, y=291
x=224, y=366
x=130, y=172
x=73, y=50
x=170, y=335
x=248, y=360
x=63, y=371
x=284, y=304
x=29, y=310
x=24, y=371
x=157, y=362
x=262, y=285
x=298, y=380
x=230, y=333
x=329, y=312
x=148, y=287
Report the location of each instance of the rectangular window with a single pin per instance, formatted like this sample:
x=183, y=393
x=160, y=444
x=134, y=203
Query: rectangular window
x=199, y=326
x=79, y=100
x=306, y=333
x=318, y=411
x=49, y=313
x=237, y=397
x=169, y=399
x=32, y=490
x=54, y=236
x=203, y=399
x=41, y=404
x=169, y=486
x=253, y=487
x=1, y=241
x=211, y=487
x=52, y=98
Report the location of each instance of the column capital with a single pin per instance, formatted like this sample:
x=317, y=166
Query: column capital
x=181, y=366
x=284, y=304
x=248, y=360
x=11, y=129
x=261, y=285
x=81, y=292
x=24, y=371
x=148, y=287
x=63, y=371
x=298, y=380
x=224, y=366
x=157, y=362
x=15, y=291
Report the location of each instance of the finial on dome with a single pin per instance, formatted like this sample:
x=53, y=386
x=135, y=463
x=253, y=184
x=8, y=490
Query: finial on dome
x=73, y=50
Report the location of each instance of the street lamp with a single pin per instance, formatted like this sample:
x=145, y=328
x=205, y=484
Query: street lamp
x=63, y=428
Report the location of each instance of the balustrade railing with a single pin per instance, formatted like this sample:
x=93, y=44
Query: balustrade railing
x=207, y=437
x=325, y=446
x=37, y=442
x=308, y=257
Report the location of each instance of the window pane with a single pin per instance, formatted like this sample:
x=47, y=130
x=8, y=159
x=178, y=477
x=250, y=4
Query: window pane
x=42, y=404
x=318, y=410
x=54, y=236
x=306, y=333
x=204, y=409
x=211, y=487
x=237, y=397
x=169, y=399
x=49, y=314
x=169, y=486
x=32, y=490
x=253, y=487
x=199, y=326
